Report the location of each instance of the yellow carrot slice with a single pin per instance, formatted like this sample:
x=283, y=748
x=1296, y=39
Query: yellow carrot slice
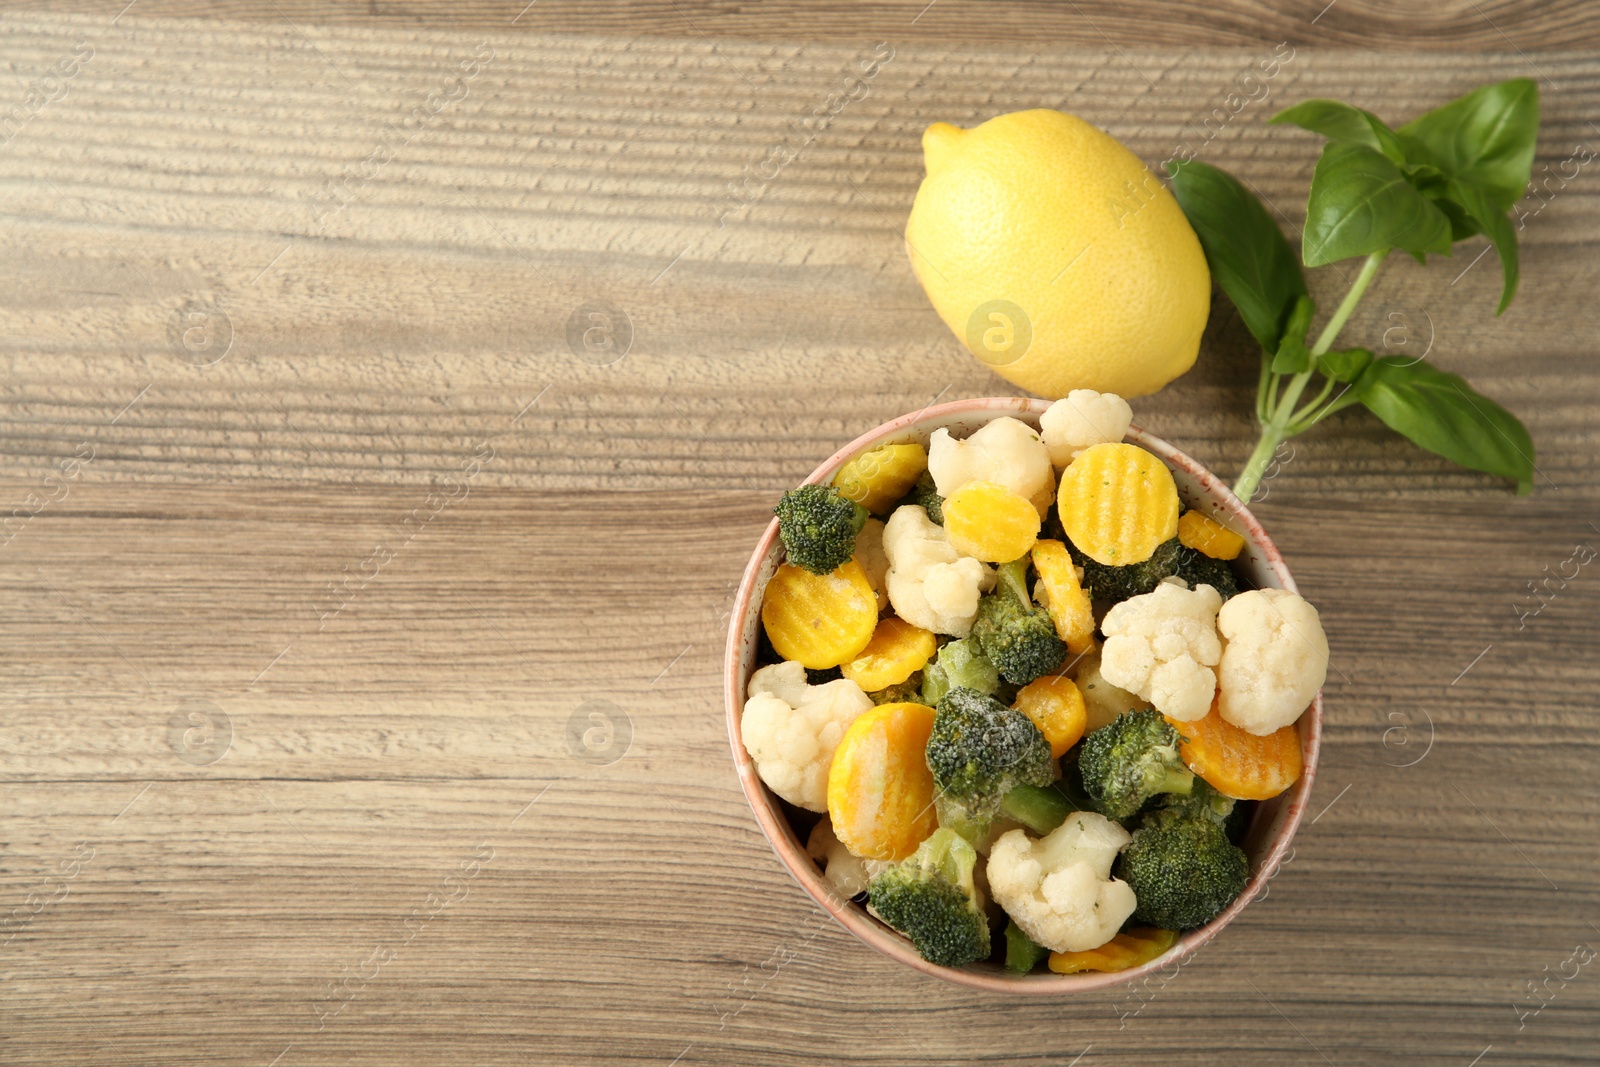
x=822, y=620
x=880, y=791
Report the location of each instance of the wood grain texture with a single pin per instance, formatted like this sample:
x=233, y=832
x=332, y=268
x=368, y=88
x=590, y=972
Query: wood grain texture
x=1499, y=25
x=398, y=542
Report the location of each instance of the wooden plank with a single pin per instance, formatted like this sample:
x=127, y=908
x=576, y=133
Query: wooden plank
x=1503, y=25
x=462, y=651
x=373, y=341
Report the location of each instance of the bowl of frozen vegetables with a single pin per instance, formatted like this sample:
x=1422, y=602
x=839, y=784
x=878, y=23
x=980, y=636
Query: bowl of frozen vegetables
x=1022, y=695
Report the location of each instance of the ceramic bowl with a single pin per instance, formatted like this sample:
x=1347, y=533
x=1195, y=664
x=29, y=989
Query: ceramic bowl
x=1274, y=821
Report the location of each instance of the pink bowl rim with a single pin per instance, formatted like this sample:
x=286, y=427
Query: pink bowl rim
x=853, y=917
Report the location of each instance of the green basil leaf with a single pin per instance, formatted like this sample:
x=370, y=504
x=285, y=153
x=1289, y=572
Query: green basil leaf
x=1293, y=356
x=1484, y=138
x=1440, y=412
x=1341, y=122
x=1361, y=203
x=1247, y=252
x=1461, y=224
x=1423, y=175
x=1345, y=364
x=1494, y=222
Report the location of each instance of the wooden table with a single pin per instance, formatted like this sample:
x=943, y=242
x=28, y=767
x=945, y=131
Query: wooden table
x=364, y=625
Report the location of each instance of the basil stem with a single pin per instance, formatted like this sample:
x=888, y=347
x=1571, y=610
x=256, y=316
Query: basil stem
x=1276, y=403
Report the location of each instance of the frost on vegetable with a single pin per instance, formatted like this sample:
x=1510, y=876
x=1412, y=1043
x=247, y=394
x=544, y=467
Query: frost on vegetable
x=1059, y=888
x=1274, y=660
x=930, y=584
x=880, y=791
x=1162, y=646
x=791, y=729
x=980, y=750
x=1083, y=418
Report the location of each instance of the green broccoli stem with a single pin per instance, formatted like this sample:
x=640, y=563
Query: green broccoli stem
x=1023, y=953
x=954, y=816
x=1014, y=577
x=1178, y=780
x=1039, y=809
x=1276, y=404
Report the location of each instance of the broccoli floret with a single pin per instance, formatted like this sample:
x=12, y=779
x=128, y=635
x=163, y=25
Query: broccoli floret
x=980, y=750
x=819, y=527
x=925, y=496
x=1023, y=953
x=1197, y=568
x=932, y=900
x=1117, y=584
x=1130, y=760
x=1204, y=801
x=1016, y=635
x=907, y=692
x=1183, y=871
x=1201, y=802
x=959, y=663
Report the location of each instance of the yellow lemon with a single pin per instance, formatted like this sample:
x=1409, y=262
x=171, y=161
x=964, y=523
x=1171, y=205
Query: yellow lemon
x=1056, y=256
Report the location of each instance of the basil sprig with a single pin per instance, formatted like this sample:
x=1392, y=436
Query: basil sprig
x=1448, y=175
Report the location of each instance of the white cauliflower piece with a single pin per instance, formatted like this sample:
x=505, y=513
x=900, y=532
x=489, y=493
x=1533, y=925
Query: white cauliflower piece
x=791, y=728
x=930, y=584
x=1059, y=888
x=786, y=681
x=849, y=873
x=1083, y=418
x=869, y=553
x=1004, y=451
x=1274, y=659
x=1162, y=646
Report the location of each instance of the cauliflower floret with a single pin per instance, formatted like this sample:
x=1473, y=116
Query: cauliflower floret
x=1059, y=888
x=791, y=729
x=1003, y=451
x=849, y=873
x=786, y=681
x=930, y=584
x=1162, y=646
x=1083, y=418
x=1274, y=659
x=869, y=553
